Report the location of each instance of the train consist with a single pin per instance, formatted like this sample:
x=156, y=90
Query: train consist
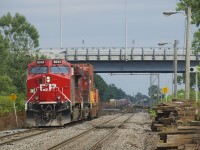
x=115, y=103
x=59, y=92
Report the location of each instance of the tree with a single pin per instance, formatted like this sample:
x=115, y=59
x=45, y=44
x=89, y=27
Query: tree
x=107, y=92
x=3, y=55
x=195, y=5
x=115, y=92
x=101, y=85
x=181, y=80
x=5, y=81
x=21, y=37
x=141, y=99
x=7, y=86
x=154, y=92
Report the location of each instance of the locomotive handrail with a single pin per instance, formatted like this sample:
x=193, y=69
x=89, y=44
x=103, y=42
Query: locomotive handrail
x=64, y=95
x=32, y=96
x=81, y=97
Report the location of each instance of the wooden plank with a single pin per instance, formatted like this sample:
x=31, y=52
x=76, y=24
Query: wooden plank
x=168, y=145
x=195, y=123
x=165, y=120
x=180, y=132
x=158, y=125
x=183, y=136
x=189, y=147
x=188, y=127
x=179, y=141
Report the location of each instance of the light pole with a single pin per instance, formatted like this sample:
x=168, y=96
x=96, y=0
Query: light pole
x=83, y=42
x=125, y=32
x=175, y=65
x=187, y=66
x=187, y=73
x=61, y=24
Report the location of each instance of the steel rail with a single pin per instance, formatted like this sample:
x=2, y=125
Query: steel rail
x=94, y=147
x=23, y=137
x=62, y=144
x=20, y=132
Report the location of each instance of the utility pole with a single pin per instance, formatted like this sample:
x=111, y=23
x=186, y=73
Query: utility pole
x=175, y=68
x=197, y=88
x=125, y=31
x=187, y=69
x=187, y=66
x=61, y=24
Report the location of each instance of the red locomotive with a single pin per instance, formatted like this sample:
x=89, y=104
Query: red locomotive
x=59, y=92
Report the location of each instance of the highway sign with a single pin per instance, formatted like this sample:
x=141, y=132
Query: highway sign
x=13, y=97
x=165, y=90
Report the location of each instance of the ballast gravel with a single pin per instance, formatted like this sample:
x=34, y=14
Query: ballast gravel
x=135, y=134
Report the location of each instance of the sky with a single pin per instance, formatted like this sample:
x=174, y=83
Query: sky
x=101, y=23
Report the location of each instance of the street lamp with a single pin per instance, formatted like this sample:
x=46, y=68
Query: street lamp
x=125, y=32
x=175, y=64
x=169, y=13
x=187, y=69
x=61, y=24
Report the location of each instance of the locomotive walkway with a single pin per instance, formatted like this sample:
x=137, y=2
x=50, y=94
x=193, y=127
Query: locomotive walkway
x=119, y=60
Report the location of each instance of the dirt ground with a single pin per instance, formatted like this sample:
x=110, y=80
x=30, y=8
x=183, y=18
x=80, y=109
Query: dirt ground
x=8, y=121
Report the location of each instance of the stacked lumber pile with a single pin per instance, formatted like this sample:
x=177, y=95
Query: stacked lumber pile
x=173, y=113
x=181, y=138
x=178, y=129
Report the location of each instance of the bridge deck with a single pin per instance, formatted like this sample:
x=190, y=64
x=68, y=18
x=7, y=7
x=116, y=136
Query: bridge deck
x=145, y=60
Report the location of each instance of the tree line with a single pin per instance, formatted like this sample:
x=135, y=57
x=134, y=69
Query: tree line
x=18, y=38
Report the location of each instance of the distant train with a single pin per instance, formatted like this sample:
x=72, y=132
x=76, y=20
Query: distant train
x=59, y=92
x=115, y=103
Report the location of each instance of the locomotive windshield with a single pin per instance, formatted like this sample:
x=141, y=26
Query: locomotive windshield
x=38, y=69
x=59, y=69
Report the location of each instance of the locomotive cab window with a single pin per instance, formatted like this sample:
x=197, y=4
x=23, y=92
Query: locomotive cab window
x=38, y=70
x=59, y=69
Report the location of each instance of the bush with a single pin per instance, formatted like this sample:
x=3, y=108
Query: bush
x=6, y=105
x=152, y=113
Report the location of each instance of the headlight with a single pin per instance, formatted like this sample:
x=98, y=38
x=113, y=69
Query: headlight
x=58, y=97
x=36, y=98
x=48, y=79
x=32, y=90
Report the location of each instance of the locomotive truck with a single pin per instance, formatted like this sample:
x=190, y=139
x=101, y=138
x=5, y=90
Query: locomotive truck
x=59, y=92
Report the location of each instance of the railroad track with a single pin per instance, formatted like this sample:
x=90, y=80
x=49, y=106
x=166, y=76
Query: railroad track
x=111, y=132
x=64, y=143
x=10, y=138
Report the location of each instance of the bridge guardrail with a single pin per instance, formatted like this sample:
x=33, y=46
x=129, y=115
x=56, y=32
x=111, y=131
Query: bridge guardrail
x=156, y=53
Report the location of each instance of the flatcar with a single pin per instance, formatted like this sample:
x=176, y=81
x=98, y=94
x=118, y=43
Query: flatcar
x=59, y=92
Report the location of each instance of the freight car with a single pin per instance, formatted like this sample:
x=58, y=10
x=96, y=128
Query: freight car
x=59, y=92
x=115, y=103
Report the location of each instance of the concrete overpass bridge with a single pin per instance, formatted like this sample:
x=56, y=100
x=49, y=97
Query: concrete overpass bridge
x=112, y=59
